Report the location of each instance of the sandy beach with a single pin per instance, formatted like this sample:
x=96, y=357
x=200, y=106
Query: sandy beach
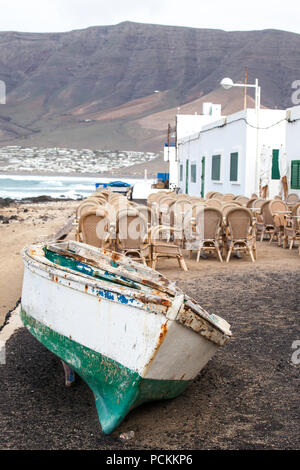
x=20, y=225
x=247, y=397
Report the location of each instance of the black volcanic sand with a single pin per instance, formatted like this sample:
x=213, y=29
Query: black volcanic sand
x=247, y=397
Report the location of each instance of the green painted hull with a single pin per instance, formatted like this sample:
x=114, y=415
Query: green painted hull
x=116, y=388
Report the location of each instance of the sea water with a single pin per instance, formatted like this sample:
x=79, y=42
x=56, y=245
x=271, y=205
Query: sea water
x=26, y=186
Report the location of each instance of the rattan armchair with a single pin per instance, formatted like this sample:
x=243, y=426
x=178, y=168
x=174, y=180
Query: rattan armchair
x=241, y=233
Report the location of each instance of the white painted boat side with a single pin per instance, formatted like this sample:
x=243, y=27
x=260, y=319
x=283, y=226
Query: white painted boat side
x=182, y=354
x=146, y=343
x=123, y=333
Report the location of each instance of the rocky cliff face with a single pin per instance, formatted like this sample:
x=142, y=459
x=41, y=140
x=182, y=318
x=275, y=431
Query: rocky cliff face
x=70, y=81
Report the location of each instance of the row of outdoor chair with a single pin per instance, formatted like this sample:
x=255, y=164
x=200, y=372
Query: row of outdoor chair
x=279, y=221
x=171, y=223
x=112, y=222
x=205, y=225
x=276, y=219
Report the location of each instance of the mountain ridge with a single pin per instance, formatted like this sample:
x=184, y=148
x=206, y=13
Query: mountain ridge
x=57, y=83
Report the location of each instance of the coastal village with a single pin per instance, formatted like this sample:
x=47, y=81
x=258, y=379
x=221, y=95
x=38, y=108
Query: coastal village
x=15, y=158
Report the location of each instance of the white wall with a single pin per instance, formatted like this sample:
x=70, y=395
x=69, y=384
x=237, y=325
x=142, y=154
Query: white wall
x=293, y=141
x=225, y=136
x=273, y=135
x=188, y=124
x=170, y=156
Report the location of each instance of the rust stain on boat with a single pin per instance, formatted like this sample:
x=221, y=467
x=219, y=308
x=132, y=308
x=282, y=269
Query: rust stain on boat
x=162, y=335
x=115, y=256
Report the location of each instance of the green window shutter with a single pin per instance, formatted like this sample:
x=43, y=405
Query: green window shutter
x=193, y=173
x=181, y=172
x=295, y=174
x=275, y=165
x=216, y=167
x=202, y=176
x=187, y=163
x=234, y=157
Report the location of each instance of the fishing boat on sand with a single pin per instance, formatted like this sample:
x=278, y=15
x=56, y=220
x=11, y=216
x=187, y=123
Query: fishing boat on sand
x=129, y=332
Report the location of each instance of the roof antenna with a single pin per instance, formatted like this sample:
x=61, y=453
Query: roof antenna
x=245, y=95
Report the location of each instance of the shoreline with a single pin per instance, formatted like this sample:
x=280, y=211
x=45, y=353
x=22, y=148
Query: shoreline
x=7, y=202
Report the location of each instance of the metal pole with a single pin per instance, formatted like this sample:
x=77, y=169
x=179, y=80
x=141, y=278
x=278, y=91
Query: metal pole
x=257, y=108
x=245, y=93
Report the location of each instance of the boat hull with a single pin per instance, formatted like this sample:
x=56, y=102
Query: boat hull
x=127, y=350
x=116, y=388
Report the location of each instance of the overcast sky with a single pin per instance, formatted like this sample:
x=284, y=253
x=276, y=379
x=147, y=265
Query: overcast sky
x=231, y=15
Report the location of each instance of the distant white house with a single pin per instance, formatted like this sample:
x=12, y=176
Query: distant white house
x=293, y=149
x=224, y=155
x=187, y=124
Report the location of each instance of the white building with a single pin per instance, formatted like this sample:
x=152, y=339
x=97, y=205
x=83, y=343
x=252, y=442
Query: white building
x=187, y=124
x=293, y=149
x=224, y=155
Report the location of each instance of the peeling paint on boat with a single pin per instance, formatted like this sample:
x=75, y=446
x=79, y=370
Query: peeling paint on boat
x=146, y=341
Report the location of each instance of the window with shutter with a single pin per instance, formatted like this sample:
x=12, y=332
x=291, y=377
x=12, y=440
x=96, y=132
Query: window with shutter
x=234, y=157
x=216, y=168
x=181, y=172
x=295, y=174
x=193, y=173
x=275, y=165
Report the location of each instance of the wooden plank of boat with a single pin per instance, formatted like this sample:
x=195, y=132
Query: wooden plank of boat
x=130, y=346
x=63, y=232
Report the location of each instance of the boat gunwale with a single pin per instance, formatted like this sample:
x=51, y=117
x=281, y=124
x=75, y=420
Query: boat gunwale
x=143, y=297
x=96, y=284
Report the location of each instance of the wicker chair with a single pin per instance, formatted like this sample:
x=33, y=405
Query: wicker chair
x=86, y=206
x=151, y=199
x=241, y=234
x=292, y=229
x=209, y=194
x=132, y=235
x=250, y=202
x=279, y=210
x=149, y=214
x=292, y=199
x=264, y=220
x=214, y=202
x=97, y=197
x=228, y=206
x=228, y=197
x=206, y=232
x=163, y=209
x=177, y=214
x=163, y=247
x=242, y=199
x=217, y=196
x=95, y=228
x=196, y=199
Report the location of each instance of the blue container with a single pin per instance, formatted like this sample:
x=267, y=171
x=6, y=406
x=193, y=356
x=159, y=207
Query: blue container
x=163, y=176
x=101, y=185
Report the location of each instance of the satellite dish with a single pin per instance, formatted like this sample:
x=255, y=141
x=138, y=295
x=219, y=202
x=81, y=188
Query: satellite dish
x=226, y=83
